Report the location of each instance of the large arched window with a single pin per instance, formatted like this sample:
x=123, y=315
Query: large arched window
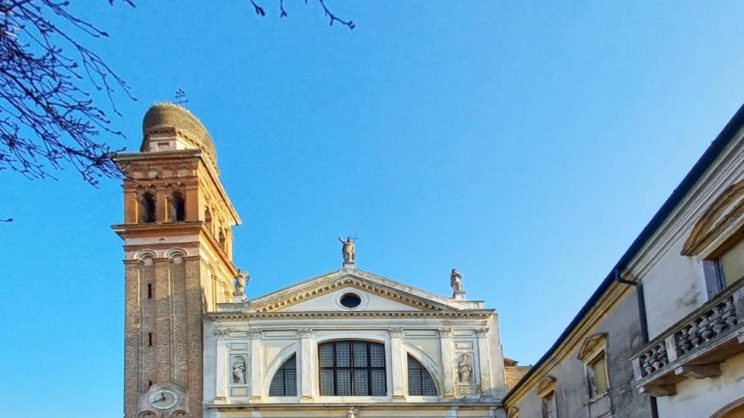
x=352, y=368
x=420, y=382
x=284, y=382
x=147, y=208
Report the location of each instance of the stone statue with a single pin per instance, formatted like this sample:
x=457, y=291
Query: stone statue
x=456, y=283
x=464, y=369
x=238, y=371
x=241, y=281
x=348, y=250
x=352, y=412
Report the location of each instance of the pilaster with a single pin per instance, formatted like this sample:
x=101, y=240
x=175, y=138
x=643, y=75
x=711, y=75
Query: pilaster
x=255, y=387
x=221, y=366
x=485, y=362
x=396, y=353
x=446, y=349
x=306, y=362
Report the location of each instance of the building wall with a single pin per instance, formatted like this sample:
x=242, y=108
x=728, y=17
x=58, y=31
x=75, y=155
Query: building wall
x=676, y=285
x=512, y=375
x=704, y=397
x=435, y=343
x=622, y=326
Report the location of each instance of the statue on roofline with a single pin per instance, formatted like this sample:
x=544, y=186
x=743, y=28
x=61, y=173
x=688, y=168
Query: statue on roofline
x=348, y=250
x=456, y=283
x=241, y=281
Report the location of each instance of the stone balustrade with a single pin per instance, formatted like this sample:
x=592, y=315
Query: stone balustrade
x=693, y=347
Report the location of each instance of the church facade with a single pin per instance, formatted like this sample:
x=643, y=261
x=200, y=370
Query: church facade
x=348, y=343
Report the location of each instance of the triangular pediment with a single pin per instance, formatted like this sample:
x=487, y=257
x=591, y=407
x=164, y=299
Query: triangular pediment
x=323, y=293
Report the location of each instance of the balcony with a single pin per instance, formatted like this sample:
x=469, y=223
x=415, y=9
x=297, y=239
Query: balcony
x=694, y=347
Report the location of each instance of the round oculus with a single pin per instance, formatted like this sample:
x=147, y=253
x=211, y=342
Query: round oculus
x=350, y=300
x=163, y=399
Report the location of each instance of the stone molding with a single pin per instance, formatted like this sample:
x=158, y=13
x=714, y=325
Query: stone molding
x=395, y=332
x=591, y=346
x=361, y=284
x=546, y=386
x=232, y=316
x=723, y=212
x=221, y=333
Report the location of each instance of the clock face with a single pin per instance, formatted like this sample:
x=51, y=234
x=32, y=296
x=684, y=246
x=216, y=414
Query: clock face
x=163, y=399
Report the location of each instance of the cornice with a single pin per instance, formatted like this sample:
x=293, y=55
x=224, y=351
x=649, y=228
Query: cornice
x=244, y=316
x=212, y=174
x=284, y=301
x=709, y=187
x=609, y=300
x=463, y=404
x=358, y=279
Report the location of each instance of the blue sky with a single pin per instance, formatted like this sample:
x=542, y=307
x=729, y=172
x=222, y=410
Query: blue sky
x=525, y=143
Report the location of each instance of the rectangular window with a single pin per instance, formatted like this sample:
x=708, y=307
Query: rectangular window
x=731, y=264
x=548, y=406
x=596, y=371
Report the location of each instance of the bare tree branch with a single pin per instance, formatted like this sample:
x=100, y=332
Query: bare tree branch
x=332, y=17
x=48, y=117
x=47, y=113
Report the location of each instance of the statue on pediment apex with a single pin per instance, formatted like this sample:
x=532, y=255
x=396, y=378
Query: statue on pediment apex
x=348, y=250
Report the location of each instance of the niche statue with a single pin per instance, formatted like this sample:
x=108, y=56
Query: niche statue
x=238, y=371
x=464, y=369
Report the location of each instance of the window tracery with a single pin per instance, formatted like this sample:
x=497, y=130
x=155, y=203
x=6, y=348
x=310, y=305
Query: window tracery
x=420, y=382
x=352, y=368
x=284, y=382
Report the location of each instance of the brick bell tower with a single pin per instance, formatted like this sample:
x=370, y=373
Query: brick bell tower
x=177, y=234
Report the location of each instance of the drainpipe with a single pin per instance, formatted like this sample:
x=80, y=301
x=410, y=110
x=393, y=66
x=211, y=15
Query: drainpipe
x=644, y=325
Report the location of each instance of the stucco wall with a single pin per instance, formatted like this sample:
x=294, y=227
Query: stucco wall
x=572, y=397
x=703, y=397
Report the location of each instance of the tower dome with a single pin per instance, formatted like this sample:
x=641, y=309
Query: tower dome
x=170, y=127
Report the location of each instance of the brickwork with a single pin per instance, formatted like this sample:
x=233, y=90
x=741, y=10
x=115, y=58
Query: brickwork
x=170, y=266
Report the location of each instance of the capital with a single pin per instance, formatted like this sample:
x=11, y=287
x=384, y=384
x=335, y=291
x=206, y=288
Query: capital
x=395, y=332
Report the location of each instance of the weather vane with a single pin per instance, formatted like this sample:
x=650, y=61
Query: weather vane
x=181, y=97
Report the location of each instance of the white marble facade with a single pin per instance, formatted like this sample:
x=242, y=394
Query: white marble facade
x=456, y=342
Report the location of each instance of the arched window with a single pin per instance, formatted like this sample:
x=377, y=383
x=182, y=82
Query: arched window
x=223, y=241
x=208, y=220
x=352, y=368
x=284, y=382
x=420, y=382
x=147, y=208
x=177, y=207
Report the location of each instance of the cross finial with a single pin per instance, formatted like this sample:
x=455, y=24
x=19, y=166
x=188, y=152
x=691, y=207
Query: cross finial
x=181, y=96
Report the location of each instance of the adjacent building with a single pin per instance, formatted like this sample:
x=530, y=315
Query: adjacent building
x=663, y=335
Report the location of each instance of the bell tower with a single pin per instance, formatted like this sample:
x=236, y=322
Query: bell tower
x=177, y=234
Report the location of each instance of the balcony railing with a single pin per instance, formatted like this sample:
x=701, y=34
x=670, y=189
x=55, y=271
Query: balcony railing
x=695, y=346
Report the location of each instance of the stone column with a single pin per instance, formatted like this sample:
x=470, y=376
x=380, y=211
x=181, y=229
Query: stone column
x=446, y=349
x=255, y=388
x=485, y=362
x=396, y=354
x=306, y=363
x=221, y=368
